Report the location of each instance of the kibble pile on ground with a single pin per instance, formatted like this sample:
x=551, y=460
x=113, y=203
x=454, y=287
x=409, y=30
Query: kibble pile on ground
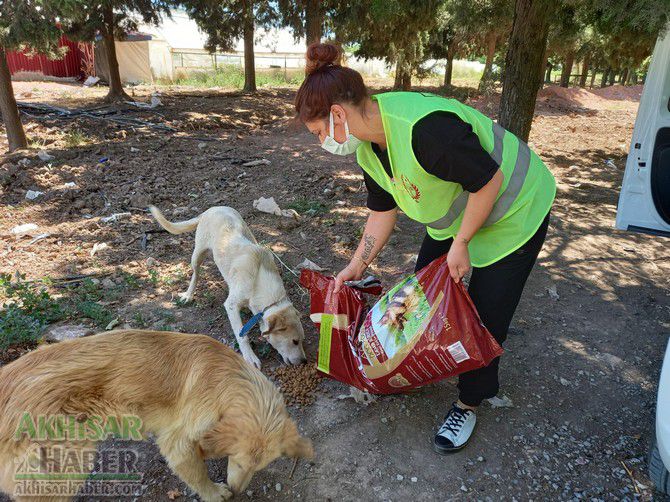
x=298, y=383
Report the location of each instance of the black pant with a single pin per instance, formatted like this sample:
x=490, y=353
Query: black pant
x=495, y=290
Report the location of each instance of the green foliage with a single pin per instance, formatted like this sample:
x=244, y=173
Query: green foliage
x=130, y=280
x=232, y=76
x=35, y=24
x=305, y=205
x=117, y=17
x=99, y=314
x=139, y=321
x=26, y=311
x=223, y=21
x=154, y=277
x=395, y=30
x=75, y=137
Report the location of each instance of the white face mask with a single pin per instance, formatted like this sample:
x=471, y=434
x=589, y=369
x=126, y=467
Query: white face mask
x=351, y=142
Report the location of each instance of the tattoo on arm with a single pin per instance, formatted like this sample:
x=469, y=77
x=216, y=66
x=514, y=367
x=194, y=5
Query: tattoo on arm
x=368, y=244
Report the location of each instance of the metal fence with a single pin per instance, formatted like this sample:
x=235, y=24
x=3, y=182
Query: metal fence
x=184, y=60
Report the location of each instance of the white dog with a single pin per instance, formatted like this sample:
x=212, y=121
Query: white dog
x=252, y=277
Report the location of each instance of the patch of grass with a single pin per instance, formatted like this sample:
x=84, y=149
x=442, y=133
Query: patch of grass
x=97, y=313
x=131, y=280
x=37, y=144
x=139, y=320
x=328, y=222
x=208, y=298
x=26, y=311
x=174, y=278
x=307, y=206
x=263, y=350
x=233, y=76
x=154, y=277
x=75, y=137
x=179, y=302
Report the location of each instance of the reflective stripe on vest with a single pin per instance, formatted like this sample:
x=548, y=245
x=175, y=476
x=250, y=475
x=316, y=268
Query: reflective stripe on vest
x=508, y=196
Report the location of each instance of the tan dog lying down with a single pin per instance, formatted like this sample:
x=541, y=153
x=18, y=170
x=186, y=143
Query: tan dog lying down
x=252, y=278
x=199, y=399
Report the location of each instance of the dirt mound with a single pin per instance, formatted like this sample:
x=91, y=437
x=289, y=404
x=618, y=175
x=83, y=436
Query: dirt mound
x=620, y=92
x=570, y=96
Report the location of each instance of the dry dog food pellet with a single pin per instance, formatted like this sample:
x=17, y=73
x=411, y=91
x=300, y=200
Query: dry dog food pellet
x=298, y=383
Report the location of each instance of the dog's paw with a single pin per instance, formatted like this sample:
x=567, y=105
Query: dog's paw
x=185, y=297
x=219, y=492
x=252, y=359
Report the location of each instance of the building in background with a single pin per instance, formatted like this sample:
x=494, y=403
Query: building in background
x=170, y=50
x=23, y=64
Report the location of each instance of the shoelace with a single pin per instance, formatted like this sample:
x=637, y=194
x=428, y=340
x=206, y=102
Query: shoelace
x=453, y=421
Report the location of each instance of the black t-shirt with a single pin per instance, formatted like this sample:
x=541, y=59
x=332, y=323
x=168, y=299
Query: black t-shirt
x=446, y=147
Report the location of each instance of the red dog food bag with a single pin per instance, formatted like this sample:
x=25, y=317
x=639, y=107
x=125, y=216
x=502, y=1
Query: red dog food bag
x=423, y=330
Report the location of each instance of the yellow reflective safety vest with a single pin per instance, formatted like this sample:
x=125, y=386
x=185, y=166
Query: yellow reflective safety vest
x=525, y=196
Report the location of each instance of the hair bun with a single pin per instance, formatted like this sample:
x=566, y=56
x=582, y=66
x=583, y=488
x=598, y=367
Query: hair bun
x=320, y=55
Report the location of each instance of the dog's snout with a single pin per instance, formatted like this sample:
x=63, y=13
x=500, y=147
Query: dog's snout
x=298, y=360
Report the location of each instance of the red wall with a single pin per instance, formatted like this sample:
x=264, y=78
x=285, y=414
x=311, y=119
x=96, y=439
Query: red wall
x=69, y=66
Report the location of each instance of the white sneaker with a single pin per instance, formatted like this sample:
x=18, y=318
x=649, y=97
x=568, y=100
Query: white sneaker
x=456, y=430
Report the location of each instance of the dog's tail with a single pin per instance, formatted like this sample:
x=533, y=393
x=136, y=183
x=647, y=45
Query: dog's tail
x=178, y=227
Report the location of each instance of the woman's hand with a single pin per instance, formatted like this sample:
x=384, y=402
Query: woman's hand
x=352, y=272
x=458, y=259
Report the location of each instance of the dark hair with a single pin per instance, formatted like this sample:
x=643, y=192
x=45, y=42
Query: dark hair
x=327, y=82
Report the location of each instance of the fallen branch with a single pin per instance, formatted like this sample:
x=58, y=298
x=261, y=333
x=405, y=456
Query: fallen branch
x=630, y=475
x=295, y=462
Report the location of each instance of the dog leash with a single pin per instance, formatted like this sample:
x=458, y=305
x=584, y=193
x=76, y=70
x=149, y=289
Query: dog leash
x=255, y=319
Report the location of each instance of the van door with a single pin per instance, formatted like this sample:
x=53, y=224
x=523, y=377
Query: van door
x=644, y=202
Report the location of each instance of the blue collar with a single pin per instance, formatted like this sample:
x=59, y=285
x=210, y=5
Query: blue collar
x=255, y=319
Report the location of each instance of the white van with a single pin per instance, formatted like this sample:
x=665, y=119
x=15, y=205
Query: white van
x=644, y=206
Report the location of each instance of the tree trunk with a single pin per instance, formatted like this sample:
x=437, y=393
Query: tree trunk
x=407, y=80
x=249, y=62
x=633, y=74
x=567, y=69
x=449, y=67
x=624, y=76
x=491, y=40
x=593, y=77
x=612, y=77
x=586, y=62
x=523, y=64
x=545, y=62
x=547, y=76
x=313, y=21
x=397, y=81
x=10, y=113
x=403, y=76
x=116, y=92
x=603, y=80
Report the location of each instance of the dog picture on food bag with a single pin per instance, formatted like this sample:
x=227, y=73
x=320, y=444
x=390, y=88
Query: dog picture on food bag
x=398, y=316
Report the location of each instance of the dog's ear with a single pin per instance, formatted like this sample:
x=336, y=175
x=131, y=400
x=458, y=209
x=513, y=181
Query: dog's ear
x=219, y=441
x=275, y=322
x=294, y=445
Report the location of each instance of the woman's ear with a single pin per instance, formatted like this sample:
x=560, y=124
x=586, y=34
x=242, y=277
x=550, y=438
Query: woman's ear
x=339, y=114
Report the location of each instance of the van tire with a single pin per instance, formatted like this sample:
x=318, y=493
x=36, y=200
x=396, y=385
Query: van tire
x=657, y=471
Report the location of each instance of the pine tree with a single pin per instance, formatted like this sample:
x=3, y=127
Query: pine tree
x=112, y=20
x=33, y=26
x=395, y=30
x=305, y=18
x=226, y=21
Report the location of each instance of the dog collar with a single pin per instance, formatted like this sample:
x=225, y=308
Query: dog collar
x=255, y=319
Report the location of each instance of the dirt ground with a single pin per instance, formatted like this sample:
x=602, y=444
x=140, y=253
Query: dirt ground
x=581, y=367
